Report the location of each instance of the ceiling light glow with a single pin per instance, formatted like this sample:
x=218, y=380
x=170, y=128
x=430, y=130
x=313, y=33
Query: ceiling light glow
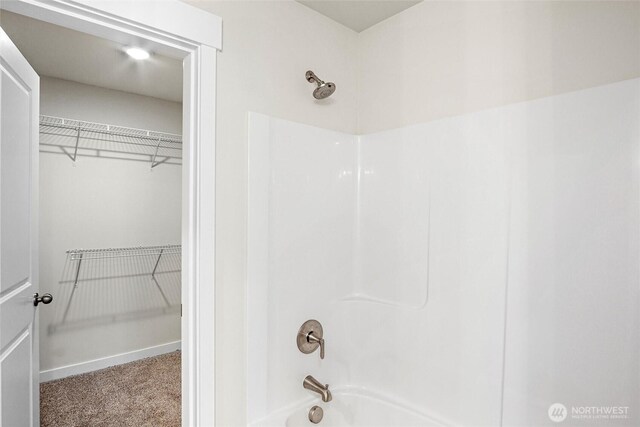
x=137, y=53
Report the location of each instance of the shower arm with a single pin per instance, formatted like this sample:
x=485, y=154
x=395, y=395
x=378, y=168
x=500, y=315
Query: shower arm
x=312, y=78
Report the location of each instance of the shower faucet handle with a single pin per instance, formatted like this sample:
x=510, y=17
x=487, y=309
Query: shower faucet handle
x=310, y=337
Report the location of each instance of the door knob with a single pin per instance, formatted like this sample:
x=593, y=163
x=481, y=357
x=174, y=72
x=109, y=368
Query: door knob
x=45, y=299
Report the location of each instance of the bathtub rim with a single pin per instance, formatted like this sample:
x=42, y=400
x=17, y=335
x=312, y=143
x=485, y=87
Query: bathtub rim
x=279, y=417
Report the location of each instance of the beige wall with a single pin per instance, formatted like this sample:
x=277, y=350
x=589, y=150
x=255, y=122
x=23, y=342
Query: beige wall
x=441, y=59
x=267, y=47
x=72, y=100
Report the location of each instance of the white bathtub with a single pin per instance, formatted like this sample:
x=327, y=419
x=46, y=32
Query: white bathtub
x=351, y=407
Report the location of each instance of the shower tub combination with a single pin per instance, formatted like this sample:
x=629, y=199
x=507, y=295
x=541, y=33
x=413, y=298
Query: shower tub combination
x=403, y=243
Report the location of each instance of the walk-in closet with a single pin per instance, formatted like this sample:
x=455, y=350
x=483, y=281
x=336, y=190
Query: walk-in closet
x=110, y=154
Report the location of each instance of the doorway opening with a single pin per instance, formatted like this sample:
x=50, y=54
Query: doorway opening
x=110, y=227
x=171, y=28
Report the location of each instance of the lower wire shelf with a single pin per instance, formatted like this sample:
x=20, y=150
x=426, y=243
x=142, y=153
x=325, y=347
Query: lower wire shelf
x=112, y=284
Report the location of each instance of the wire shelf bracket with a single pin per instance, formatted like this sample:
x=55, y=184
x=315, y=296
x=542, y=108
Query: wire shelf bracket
x=73, y=290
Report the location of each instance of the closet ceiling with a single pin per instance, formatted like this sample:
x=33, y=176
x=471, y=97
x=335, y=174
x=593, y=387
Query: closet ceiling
x=58, y=52
x=359, y=14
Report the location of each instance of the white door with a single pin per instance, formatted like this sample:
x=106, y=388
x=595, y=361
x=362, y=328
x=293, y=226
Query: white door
x=19, y=109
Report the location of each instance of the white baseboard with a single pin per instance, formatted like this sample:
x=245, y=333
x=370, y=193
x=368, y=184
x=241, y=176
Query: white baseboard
x=105, y=362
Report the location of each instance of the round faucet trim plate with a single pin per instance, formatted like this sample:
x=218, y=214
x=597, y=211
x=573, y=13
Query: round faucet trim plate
x=308, y=327
x=315, y=414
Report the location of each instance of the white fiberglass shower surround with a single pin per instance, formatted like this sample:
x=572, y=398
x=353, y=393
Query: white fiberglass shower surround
x=472, y=270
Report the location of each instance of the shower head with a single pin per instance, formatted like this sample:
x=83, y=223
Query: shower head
x=324, y=90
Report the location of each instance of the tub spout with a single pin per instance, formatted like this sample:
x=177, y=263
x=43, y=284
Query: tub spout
x=313, y=384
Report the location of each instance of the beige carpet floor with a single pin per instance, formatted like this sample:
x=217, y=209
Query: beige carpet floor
x=141, y=393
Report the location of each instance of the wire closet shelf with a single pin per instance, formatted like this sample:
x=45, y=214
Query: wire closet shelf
x=85, y=254
x=80, y=138
x=105, y=285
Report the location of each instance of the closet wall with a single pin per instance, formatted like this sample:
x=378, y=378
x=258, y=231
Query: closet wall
x=104, y=203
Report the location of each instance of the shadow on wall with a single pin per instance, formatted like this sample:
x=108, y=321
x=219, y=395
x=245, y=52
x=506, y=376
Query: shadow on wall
x=116, y=285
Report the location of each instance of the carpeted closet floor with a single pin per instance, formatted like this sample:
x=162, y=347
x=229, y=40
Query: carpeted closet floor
x=141, y=393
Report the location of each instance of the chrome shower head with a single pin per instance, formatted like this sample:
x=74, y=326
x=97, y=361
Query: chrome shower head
x=324, y=90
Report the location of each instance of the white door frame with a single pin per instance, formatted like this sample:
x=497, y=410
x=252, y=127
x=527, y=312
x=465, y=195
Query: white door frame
x=179, y=30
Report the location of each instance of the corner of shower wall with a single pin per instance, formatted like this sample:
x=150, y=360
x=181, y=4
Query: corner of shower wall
x=392, y=221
